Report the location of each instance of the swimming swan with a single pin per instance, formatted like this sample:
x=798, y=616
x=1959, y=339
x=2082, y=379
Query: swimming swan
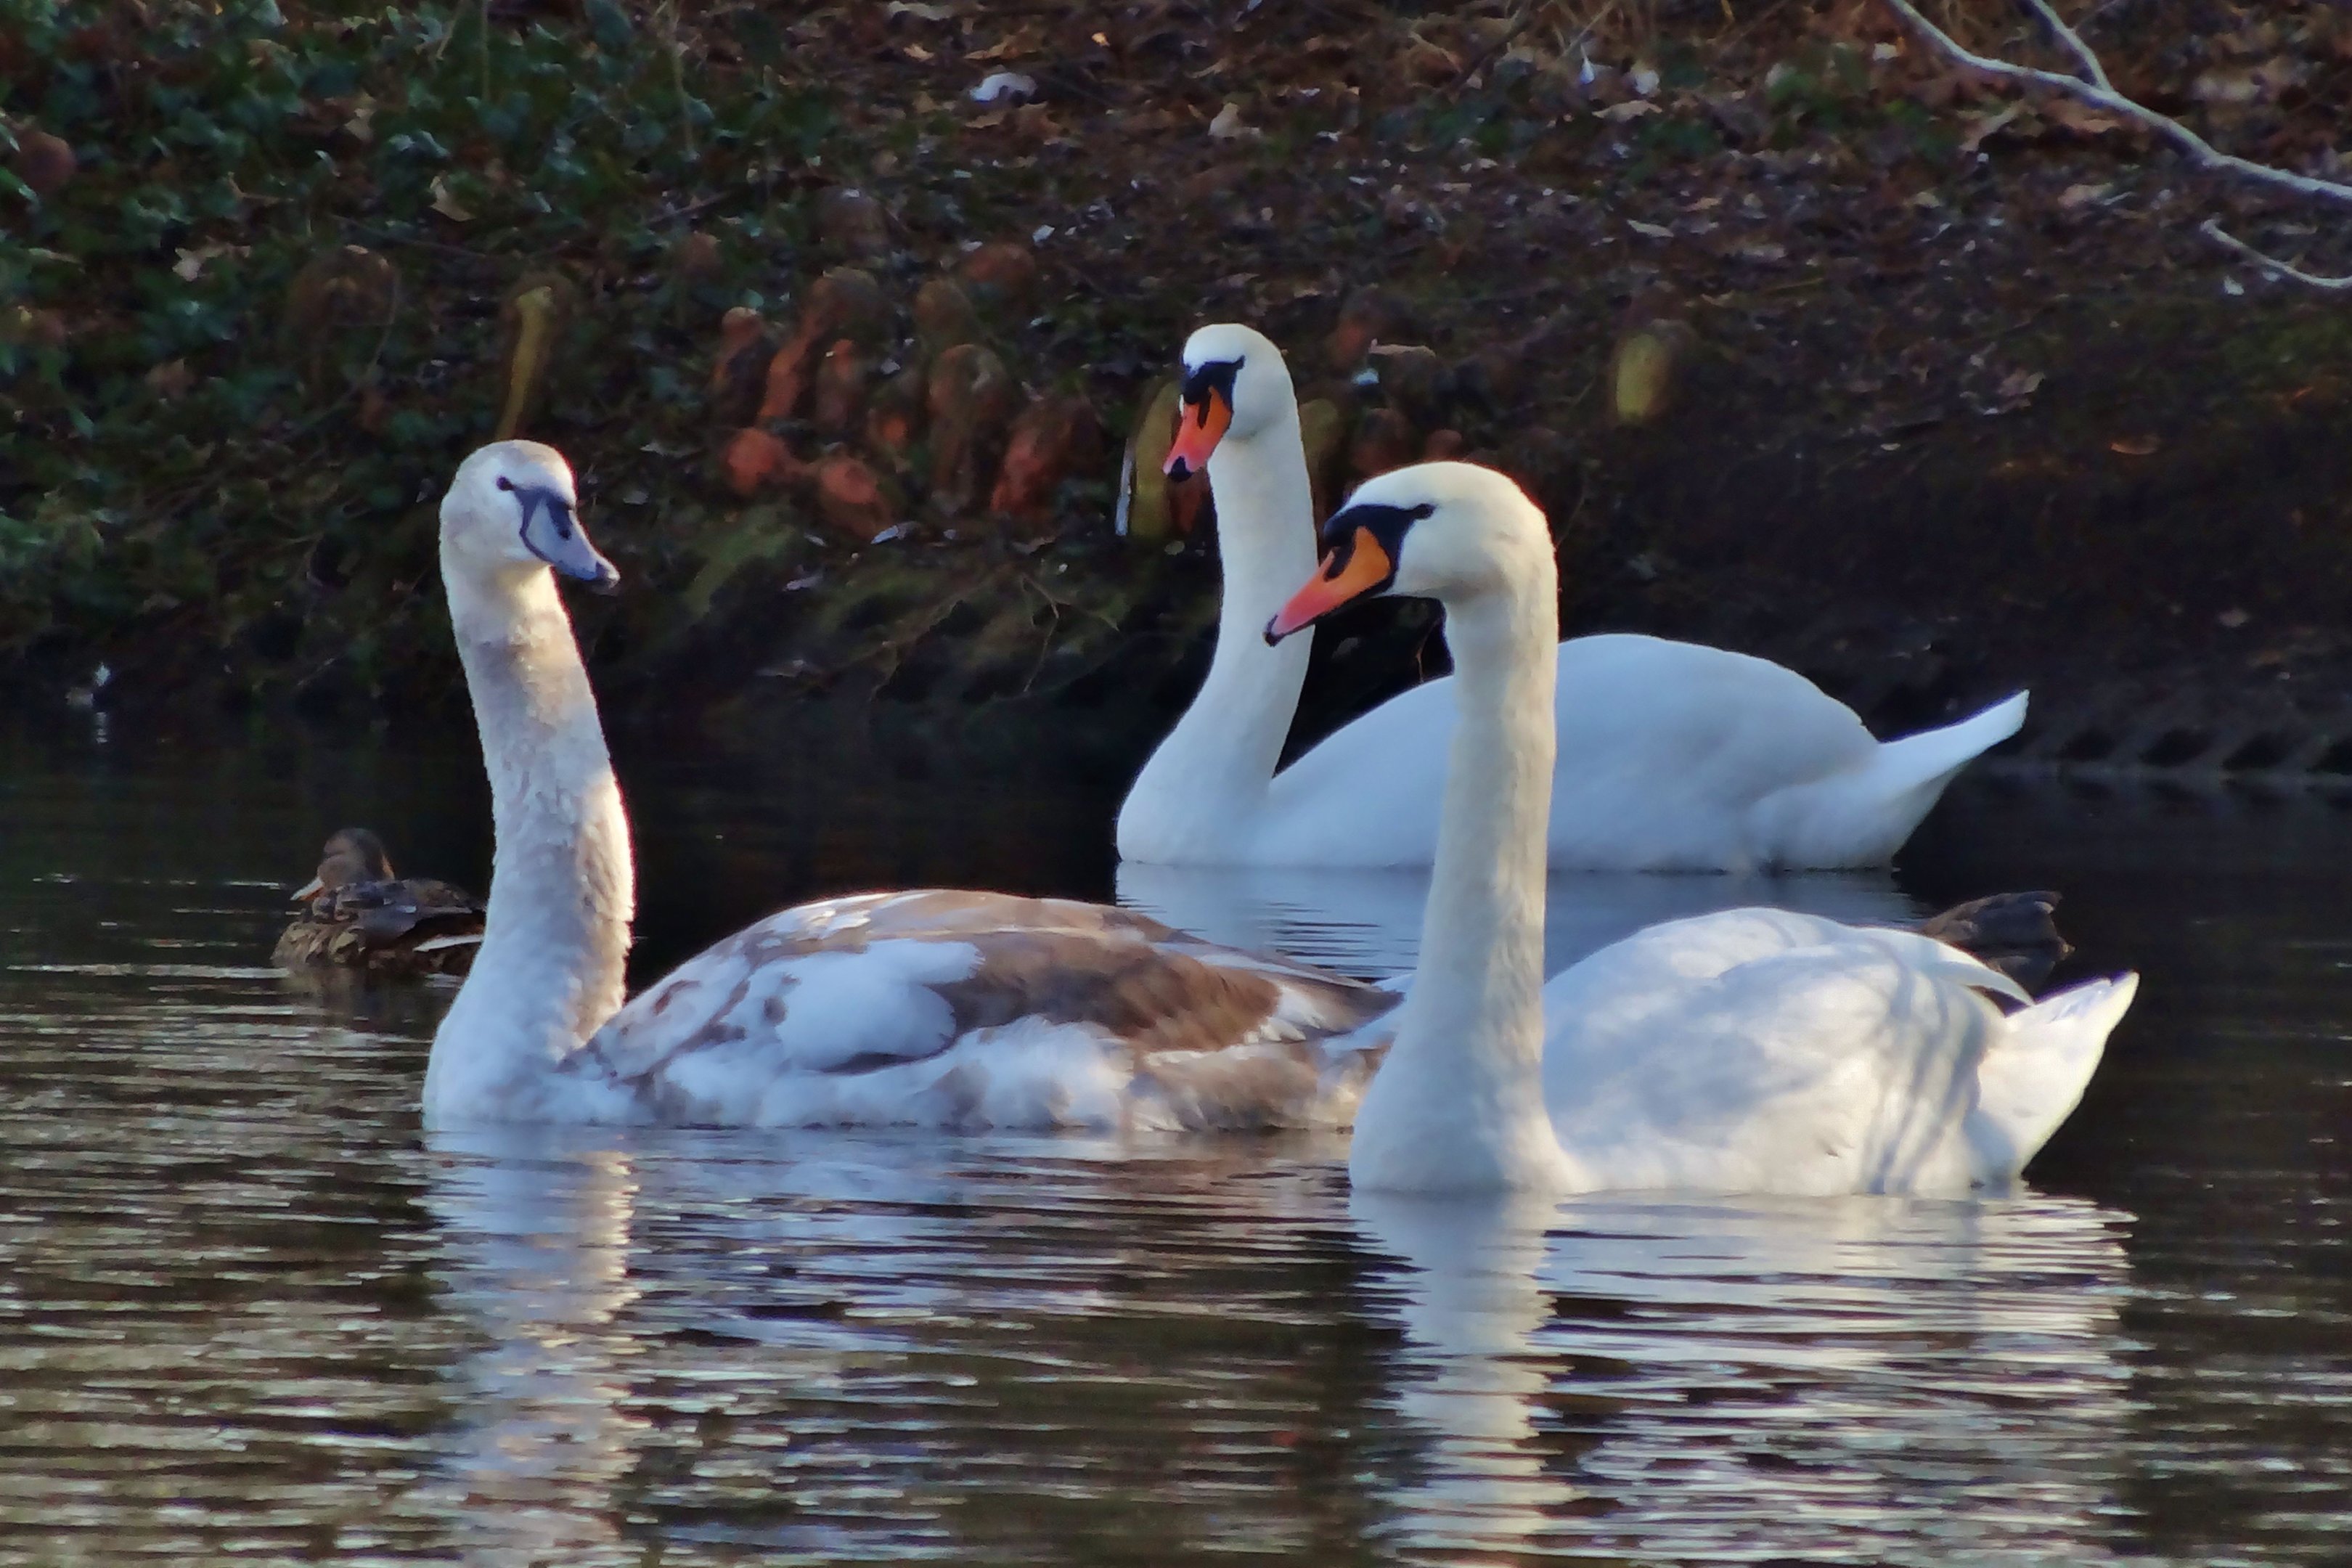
x=1672, y=756
x=935, y=1009
x=964, y=1009
x=1748, y=1050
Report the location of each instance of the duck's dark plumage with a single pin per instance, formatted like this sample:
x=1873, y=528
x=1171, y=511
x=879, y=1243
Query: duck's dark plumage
x=359, y=916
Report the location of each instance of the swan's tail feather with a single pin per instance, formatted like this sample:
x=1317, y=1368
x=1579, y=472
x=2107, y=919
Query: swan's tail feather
x=1932, y=756
x=1860, y=817
x=1919, y=766
x=2033, y=1077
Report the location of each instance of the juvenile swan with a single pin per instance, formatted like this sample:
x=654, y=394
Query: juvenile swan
x=1673, y=757
x=1749, y=1050
x=936, y=1008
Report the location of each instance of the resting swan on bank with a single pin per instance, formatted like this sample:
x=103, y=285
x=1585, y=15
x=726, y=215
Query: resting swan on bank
x=1673, y=757
x=1749, y=1050
x=964, y=1009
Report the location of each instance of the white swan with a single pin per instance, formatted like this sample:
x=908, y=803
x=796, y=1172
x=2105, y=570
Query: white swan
x=978, y=1009
x=1750, y=1050
x=1674, y=757
x=936, y=1008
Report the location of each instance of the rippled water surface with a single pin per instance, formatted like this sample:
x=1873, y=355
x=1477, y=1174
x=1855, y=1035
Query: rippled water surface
x=249, y=1313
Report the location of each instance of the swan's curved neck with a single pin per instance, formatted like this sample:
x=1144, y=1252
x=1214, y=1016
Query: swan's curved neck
x=1212, y=772
x=1458, y=1105
x=551, y=966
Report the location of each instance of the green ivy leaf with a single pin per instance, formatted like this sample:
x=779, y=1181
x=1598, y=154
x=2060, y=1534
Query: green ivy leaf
x=611, y=26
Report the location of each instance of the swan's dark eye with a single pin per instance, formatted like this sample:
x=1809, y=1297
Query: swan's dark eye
x=1218, y=376
x=1386, y=524
x=505, y=483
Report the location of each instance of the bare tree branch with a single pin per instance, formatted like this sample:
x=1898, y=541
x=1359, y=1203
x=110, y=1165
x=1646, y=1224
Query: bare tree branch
x=2100, y=93
x=2212, y=230
x=2074, y=41
x=2109, y=99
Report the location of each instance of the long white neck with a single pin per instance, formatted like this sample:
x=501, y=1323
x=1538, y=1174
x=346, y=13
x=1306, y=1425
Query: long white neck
x=562, y=892
x=1193, y=799
x=1458, y=1104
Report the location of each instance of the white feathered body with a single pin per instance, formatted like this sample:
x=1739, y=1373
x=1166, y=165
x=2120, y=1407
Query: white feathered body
x=1747, y=1051
x=1762, y=1050
x=1753, y=1050
x=1672, y=757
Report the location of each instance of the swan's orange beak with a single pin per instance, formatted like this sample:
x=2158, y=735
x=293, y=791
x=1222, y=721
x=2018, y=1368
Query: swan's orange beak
x=1199, y=428
x=1366, y=568
x=309, y=890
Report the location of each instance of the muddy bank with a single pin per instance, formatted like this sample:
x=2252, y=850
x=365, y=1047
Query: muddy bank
x=2158, y=543
x=2164, y=558
x=1963, y=403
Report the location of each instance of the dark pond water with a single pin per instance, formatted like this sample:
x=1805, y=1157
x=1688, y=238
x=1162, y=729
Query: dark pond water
x=249, y=1313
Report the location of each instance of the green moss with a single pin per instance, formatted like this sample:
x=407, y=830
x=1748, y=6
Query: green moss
x=757, y=534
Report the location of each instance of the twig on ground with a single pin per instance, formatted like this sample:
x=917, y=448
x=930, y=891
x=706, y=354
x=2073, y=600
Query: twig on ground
x=2214, y=231
x=2100, y=93
x=414, y=242
x=2074, y=41
x=699, y=204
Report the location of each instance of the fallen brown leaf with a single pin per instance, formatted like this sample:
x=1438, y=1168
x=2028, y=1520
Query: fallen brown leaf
x=170, y=380
x=1981, y=126
x=1021, y=41
x=446, y=204
x=1227, y=125
x=2069, y=115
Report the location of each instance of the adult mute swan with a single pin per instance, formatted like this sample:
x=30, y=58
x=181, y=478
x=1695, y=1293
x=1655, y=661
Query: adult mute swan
x=1673, y=757
x=935, y=1009
x=1749, y=1050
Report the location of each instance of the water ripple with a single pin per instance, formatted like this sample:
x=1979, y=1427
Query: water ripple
x=248, y=1313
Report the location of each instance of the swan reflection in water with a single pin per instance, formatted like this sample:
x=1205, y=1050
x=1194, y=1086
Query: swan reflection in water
x=537, y=1230
x=862, y=1344
x=866, y=1346
x=1368, y=922
x=1830, y=1378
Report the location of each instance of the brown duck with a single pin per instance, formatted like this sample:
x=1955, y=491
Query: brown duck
x=359, y=915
